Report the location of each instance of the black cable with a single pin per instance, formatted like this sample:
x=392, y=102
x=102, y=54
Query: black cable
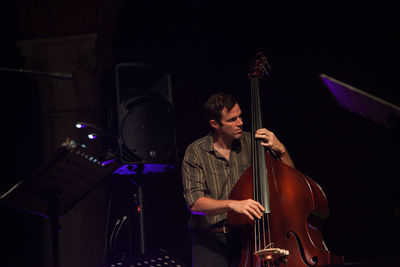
x=107, y=224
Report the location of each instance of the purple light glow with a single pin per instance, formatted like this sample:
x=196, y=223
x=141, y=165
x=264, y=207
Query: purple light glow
x=104, y=163
x=147, y=168
x=198, y=213
x=34, y=212
x=360, y=102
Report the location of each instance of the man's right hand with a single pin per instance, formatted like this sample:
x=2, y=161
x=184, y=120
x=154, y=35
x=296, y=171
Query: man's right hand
x=248, y=207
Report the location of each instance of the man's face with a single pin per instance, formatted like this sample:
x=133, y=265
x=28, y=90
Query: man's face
x=231, y=123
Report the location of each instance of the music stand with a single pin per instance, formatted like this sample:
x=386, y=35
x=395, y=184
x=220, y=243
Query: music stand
x=363, y=103
x=64, y=180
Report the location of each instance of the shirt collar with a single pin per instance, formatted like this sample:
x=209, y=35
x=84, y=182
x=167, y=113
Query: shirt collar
x=209, y=146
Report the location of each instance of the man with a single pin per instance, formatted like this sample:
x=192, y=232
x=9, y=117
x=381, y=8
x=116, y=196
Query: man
x=211, y=167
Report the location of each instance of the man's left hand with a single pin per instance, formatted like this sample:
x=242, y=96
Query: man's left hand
x=270, y=141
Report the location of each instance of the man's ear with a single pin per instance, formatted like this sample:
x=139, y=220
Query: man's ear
x=214, y=124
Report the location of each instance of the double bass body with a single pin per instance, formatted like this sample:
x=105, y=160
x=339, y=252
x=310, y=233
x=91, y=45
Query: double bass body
x=298, y=207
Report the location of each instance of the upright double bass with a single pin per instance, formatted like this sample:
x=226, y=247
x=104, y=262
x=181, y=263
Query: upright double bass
x=290, y=230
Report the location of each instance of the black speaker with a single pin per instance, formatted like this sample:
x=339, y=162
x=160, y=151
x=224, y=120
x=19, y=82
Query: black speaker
x=145, y=114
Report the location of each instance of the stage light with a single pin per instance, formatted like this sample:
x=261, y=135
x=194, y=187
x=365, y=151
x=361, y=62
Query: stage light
x=80, y=125
x=92, y=136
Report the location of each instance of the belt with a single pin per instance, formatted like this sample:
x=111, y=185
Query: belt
x=220, y=229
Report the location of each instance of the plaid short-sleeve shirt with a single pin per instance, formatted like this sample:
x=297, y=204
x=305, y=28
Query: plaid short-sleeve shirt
x=206, y=173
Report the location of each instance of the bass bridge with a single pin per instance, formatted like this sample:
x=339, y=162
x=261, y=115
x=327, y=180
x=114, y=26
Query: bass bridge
x=273, y=256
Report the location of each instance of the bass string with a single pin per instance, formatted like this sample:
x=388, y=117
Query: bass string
x=259, y=171
x=256, y=189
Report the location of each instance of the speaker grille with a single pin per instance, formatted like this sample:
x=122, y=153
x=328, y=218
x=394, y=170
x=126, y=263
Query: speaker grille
x=147, y=128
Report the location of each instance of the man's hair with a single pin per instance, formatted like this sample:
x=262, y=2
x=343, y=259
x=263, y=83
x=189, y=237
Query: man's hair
x=216, y=103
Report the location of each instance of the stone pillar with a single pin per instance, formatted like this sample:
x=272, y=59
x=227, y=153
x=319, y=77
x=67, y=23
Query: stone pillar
x=65, y=101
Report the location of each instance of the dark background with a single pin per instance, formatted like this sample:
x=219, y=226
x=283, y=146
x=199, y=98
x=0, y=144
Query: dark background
x=207, y=47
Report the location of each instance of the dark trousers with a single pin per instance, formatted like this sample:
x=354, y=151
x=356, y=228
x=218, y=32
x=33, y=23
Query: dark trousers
x=211, y=249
